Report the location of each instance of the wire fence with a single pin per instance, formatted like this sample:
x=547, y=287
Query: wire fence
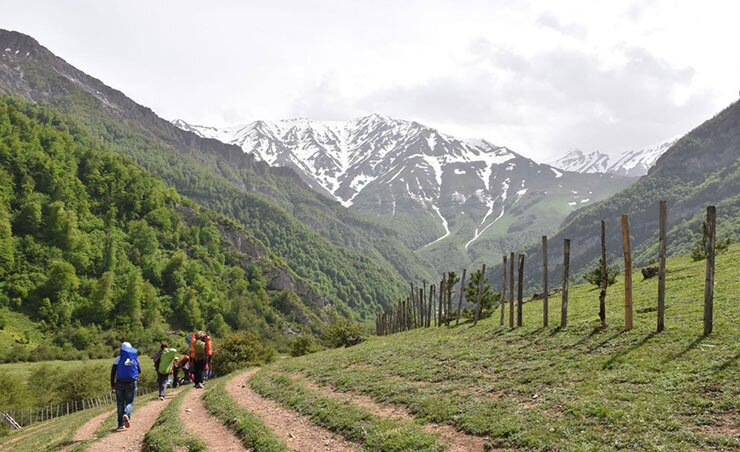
x=23, y=417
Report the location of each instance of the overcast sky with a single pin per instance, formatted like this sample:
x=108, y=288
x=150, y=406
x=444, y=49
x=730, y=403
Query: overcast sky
x=538, y=77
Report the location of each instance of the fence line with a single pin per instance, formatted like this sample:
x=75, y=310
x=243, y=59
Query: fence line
x=432, y=309
x=17, y=418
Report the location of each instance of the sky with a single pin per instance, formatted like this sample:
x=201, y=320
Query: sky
x=540, y=77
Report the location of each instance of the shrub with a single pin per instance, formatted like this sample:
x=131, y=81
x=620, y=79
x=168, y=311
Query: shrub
x=342, y=333
x=699, y=251
x=594, y=276
x=240, y=350
x=303, y=345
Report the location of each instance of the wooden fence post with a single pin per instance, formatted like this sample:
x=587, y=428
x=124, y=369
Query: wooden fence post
x=604, y=277
x=520, y=291
x=441, y=295
x=480, y=294
x=566, y=275
x=663, y=219
x=422, y=303
x=627, y=272
x=545, y=289
x=429, y=305
x=503, y=292
x=709, y=281
x=511, y=290
x=460, y=298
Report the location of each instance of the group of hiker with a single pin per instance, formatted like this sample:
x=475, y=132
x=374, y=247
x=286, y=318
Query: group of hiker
x=194, y=365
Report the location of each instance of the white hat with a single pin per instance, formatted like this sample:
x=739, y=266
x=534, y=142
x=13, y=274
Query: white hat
x=126, y=345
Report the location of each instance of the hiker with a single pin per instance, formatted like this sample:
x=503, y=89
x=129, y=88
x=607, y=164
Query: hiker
x=124, y=375
x=181, y=363
x=164, y=361
x=200, y=352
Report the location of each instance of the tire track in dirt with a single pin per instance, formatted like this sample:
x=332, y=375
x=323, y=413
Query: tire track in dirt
x=142, y=420
x=196, y=419
x=297, y=432
x=456, y=441
x=88, y=431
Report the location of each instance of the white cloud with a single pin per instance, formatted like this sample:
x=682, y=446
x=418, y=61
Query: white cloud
x=539, y=76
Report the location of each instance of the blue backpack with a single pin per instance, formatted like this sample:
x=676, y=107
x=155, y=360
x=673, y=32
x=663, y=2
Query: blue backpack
x=128, y=365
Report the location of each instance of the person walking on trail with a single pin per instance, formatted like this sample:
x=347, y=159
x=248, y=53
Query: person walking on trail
x=200, y=352
x=181, y=364
x=164, y=361
x=124, y=376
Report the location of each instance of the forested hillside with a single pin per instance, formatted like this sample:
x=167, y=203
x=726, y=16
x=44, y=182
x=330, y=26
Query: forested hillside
x=350, y=260
x=94, y=249
x=701, y=169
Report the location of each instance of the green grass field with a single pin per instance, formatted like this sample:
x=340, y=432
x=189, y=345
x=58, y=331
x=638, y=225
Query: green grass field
x=581, y=388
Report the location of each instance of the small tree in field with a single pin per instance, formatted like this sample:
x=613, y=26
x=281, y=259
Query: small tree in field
x=594, y=276
x=489, y=300
x=699, y=251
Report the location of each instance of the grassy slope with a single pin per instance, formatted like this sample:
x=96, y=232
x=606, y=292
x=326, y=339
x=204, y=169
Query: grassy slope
x=50, y=435
x=581, y=388
x=21, y=371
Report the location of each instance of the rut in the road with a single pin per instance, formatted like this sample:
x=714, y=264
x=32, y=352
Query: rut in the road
x=210, y=430
x=297, y=432
x=456, y=441
x=142, y=420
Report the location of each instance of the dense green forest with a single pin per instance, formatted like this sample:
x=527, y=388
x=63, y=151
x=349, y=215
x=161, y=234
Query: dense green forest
x=92, y=246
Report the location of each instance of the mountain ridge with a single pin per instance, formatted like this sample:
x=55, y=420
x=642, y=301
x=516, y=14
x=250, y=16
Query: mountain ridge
x=628, y=163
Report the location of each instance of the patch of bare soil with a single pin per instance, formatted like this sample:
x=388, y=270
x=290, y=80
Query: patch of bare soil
x=196, y=419
x=297, y=432
x=88, y=430
x=456, y=441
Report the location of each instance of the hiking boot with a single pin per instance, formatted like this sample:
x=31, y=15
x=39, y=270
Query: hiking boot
x=161, y=397
x=126, y=421
x=199, y=386
x=121, y=429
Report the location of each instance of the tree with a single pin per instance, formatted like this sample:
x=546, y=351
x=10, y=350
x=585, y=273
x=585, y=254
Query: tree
x=60, y=286
x=488, y=299
x=699, y=251
x=129, y=302
x=190, y=310
x=594, y=276
x=7, y=254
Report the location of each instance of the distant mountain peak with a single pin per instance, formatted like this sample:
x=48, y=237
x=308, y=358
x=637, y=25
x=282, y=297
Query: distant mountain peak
x=628, y=163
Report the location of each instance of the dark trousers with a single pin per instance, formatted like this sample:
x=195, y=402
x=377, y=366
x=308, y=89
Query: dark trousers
x=162, y=383
x=199, y=369
x=125, y=393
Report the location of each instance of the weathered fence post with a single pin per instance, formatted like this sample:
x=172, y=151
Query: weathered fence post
x=604, y=277
x=709, y=282
x=566, y=275
x=503, y=292
x=480, y=294
x=441, y=295
x=429, y=305
x=413, y=306
x=511, y=290
x=663, y=219
x=545, y=289
x=460, y=298
x=520, y=292
x=627, y=248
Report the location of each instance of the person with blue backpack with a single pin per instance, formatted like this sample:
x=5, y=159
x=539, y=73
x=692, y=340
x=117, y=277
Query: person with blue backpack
x=124, y=376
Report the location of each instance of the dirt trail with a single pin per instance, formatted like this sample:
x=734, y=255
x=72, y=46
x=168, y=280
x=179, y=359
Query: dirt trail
x=209, y=429
x=456, y=441
x=297, y=432
x=88, y=430
x=142, y=420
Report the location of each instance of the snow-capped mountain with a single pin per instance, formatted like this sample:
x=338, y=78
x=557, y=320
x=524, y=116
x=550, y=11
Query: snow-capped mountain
x=628, y=163
x=576, y=160
x=637, y=163
x=429, y=185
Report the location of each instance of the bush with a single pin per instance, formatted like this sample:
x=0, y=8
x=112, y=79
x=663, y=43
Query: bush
x=594, y=276
x=303, y=345
x=241, y=350
x=342, y=333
